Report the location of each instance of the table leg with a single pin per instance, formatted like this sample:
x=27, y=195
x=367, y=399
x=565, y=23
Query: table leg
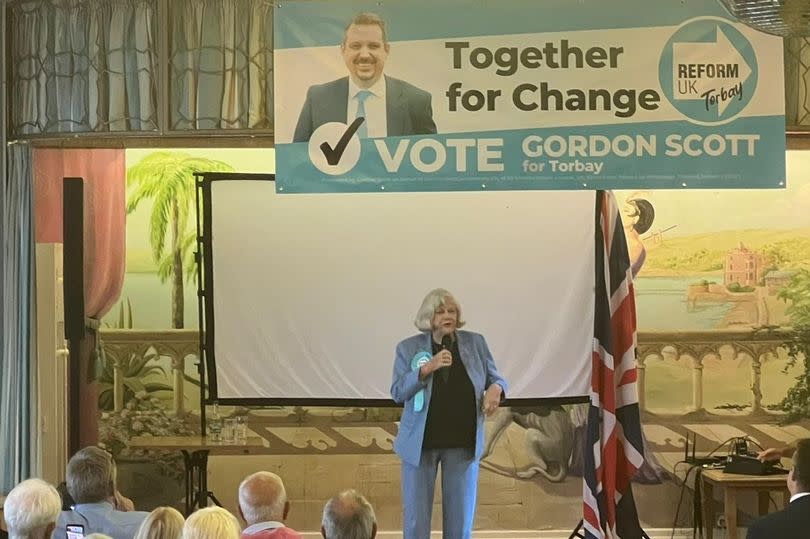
x=201, y=464
x=196, y=468
x=707, y=495
x=189, y=482
x=731, y=512
x=764, y=497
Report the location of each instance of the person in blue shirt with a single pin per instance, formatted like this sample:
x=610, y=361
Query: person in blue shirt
x=91, y=482
x=447, y=380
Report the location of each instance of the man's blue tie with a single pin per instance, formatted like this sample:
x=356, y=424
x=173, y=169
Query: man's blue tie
x=362, y=95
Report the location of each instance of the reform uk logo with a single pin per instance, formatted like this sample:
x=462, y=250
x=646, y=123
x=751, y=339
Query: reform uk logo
x=708, y=70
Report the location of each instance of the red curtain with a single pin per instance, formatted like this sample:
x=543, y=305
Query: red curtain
x=104, y=174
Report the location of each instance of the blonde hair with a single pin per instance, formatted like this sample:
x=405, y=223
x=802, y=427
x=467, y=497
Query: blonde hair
x=162, y=523
x=434, y=299
x=212, y=523
x=97, y=536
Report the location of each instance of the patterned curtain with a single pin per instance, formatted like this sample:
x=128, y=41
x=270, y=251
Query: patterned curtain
x=92, y=65
x=18, y=430
x=797, y=75
x=221, y=64
x=82, y=65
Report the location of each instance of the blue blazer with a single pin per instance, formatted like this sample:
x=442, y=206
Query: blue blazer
x=407, y=108
x=480, y=368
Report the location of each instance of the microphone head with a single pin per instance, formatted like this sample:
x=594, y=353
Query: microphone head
x=447, y=341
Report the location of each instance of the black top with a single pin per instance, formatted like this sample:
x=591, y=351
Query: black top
x=793, y=521
x=451, y=415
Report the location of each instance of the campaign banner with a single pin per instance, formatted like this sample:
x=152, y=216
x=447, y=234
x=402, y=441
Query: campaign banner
x=414, y=95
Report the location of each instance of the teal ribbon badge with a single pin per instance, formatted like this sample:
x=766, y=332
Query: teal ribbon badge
x=421, y=358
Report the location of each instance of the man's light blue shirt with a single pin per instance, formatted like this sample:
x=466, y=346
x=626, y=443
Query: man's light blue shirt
x=100, y=517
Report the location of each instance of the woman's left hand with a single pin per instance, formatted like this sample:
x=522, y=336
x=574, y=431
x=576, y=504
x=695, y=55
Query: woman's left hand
x=492, y=399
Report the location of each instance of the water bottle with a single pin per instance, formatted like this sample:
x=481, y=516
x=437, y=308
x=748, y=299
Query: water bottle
x=215, y=424
x=241, y=429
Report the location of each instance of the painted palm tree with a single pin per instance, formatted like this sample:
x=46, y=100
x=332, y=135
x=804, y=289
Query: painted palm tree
x=167, y=178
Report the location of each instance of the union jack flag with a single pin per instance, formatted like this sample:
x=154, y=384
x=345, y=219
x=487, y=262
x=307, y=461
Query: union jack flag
x=613, y=446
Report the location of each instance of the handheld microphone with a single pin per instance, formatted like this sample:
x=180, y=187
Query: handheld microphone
x=447, y=343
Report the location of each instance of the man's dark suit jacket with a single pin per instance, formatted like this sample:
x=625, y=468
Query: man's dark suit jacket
x=408, y=110
x=794, y=521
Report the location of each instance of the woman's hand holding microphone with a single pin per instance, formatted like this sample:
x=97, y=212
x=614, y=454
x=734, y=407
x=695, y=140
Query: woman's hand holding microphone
x=443, y=358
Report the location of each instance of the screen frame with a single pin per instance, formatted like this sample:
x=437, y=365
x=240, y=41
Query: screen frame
x=205, y=297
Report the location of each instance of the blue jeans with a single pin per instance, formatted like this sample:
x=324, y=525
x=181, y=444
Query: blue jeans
x=459, y=489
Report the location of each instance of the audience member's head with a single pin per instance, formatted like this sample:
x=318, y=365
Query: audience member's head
x=262, y=498
x=31, y=510
x=348, y=516
x=799, y=476
x=162, y=523
x=91, y=476
x=212, y=523
x=97, y=536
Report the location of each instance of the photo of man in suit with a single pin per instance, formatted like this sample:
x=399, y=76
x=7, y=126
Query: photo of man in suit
x=391, y=107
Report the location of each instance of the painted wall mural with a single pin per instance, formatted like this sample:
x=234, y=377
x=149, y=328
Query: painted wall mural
x=720, y=261
x=717, y=259
x=713, y=259
x=720, y=277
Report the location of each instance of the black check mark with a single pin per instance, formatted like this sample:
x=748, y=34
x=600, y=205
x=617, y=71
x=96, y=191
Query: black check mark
x=333, y=155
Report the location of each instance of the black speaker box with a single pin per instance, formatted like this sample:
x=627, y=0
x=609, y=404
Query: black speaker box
x=749, y=465
x=73, y=256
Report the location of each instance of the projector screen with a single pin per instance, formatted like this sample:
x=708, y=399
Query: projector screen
x=308, y=295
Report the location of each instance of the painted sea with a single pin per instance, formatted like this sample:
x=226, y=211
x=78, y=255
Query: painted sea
x=661, y=306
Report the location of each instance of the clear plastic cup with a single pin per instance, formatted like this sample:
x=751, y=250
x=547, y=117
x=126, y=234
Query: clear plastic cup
x=229, y=431
x=241, y=429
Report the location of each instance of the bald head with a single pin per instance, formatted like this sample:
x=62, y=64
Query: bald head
x=348, y=516
x=262, y=498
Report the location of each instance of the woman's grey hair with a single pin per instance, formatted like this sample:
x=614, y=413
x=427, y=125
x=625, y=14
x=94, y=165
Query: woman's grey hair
x=212, y=523
x=31, y=506
x=162, y=523
x=434, y=299
x=348, y=515
x=91, y=475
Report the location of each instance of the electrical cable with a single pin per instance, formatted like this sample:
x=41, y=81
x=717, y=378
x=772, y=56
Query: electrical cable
x=693, y=466
x=683, y=491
